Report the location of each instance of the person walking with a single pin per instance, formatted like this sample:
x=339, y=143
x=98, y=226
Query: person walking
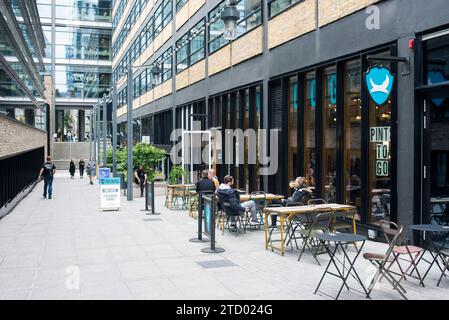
x=91, y=168
x=141, y=177
x=81, y=165
x=47, y=172
x=72, y=169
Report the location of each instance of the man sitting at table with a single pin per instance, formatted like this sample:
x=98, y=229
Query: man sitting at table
x=205, y=184
x=232, y=196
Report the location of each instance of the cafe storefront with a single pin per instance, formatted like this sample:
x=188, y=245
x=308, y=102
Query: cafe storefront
x=337, y=136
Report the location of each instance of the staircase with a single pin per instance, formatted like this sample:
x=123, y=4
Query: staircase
x=63, y=152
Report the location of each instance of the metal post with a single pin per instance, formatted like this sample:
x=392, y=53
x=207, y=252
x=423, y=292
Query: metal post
x=90, y=137
x=94, y=132
x=105, y=128
x=98, y=133
x=130, y=131
x=114, y=129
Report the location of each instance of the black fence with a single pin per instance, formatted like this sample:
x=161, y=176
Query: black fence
x=18, y=172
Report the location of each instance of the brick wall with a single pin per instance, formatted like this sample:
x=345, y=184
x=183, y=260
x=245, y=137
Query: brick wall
x=331, y=10
x=16, y=137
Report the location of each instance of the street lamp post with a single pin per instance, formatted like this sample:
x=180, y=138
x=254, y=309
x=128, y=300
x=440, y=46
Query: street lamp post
x=114, y=129
x=130, y=131
x=105, y=128
x=94, y=132
x=98, y=132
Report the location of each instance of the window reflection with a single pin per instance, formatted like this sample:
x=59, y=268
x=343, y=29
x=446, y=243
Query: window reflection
x=352, y=132
x=309, y=129
x=330, y=134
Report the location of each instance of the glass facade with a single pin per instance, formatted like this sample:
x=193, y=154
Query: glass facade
x=22, y=72
x=82, y=43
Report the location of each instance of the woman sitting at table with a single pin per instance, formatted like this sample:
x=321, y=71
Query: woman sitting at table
x=301, y=193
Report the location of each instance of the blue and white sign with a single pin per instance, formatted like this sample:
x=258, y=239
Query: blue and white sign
x=109, y=193
x=104, y=173
x=379, y=81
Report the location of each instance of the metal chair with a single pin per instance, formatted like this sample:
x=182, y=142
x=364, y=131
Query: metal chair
x=316, y=201
x=413, y=252
x=380, y=262
x=320, y=224
x=230, y=215
x=293, y=223
x=260, y=204
x=444, y=254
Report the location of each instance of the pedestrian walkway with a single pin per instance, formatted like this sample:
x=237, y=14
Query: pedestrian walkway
x=65, y=248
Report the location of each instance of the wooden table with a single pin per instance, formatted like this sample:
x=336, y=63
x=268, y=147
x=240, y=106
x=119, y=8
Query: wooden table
x=290, y=212
x=172, y=188
x=268, y=197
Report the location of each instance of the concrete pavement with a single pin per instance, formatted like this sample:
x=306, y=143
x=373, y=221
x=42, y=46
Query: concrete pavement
x=65, y=248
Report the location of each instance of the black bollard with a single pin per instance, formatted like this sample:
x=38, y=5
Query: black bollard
x=211, y=227
x=200, y=220
x=149, y=199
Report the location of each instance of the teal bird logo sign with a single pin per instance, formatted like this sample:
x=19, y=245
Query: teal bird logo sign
x=379, y=81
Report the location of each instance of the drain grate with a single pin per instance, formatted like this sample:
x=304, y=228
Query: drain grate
x=216, y=264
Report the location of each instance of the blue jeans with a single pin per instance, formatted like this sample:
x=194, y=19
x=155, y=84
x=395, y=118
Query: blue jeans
x=48, y=182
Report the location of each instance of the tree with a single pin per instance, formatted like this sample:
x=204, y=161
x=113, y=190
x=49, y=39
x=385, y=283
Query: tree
x=143, y=154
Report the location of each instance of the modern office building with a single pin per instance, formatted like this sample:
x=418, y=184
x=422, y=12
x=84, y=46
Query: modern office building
x=78, y=37
x=23, y=98
x=358, y=89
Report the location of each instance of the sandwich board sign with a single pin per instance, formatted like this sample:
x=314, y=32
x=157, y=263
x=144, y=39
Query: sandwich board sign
x=109, y=194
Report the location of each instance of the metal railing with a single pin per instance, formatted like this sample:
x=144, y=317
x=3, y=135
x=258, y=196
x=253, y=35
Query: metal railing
x=18, y=172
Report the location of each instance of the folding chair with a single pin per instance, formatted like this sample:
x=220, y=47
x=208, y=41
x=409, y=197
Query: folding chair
x=229, y=214
x=380, y=262
x=316, y=201
x=413, y=252
x=293, y=223
x=444, y=254
x=320, y=223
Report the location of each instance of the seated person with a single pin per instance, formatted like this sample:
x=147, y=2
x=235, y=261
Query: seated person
x=301, y=193
x=232, y=196
x=205, y=184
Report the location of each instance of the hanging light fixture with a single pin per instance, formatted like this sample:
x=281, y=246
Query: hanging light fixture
x=230, y=15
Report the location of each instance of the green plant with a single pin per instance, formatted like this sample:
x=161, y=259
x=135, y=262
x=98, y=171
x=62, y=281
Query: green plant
x=176, y=175
x=143, y=154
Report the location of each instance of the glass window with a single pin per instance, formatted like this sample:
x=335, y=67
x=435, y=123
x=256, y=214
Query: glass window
x=352, y=133
x=292, y=127
x=330, y=135
x=380, y=159
x=250, y=15
x=276, y=6
x=216, y=28
x=180, y=4
x=197, y=35
x=309, y=128
x=182, y=55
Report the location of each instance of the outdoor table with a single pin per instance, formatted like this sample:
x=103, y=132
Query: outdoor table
x=290, y=212
x=341, y=240
x=172, y=188
x=430, y=244
x=269, y=197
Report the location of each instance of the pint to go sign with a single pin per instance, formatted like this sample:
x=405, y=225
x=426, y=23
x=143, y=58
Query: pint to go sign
x=382, y=137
